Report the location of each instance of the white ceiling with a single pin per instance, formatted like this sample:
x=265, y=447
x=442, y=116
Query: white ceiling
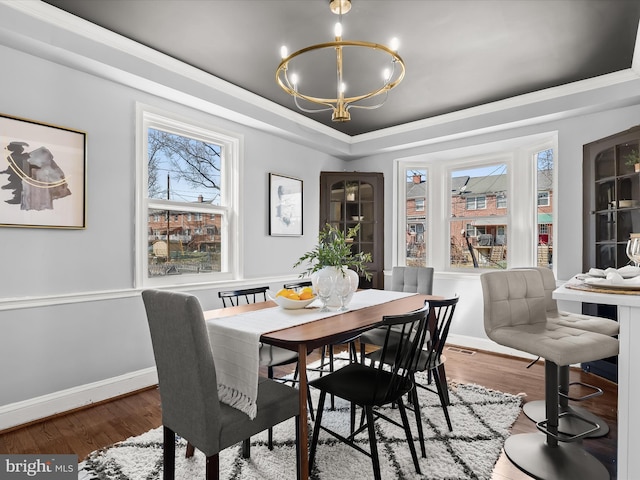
x=459, y=53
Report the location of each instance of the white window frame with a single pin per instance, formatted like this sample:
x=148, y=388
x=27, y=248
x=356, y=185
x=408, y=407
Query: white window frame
x=419, y=204
x=232, y=147
x=520, y=217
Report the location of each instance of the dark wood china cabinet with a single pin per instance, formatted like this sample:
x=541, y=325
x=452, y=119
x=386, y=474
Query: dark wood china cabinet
x=351, y=198
x=611, y=214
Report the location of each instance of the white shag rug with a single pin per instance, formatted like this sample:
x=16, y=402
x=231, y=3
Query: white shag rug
x=481, y=420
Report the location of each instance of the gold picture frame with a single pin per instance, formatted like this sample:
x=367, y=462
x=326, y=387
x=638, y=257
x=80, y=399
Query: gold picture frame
x=42, y=175
x=285, y=205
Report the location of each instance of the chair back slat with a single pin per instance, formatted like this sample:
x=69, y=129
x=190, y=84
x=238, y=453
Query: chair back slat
x=233, y=298
x=440, y=317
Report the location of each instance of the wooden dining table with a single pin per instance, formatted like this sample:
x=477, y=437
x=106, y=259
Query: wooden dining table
x=325, y=331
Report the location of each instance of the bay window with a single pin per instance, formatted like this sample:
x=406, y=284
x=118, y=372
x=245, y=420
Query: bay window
x=486, y=207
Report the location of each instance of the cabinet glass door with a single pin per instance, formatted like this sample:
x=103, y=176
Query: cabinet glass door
x=352, y=203
x=616, y=197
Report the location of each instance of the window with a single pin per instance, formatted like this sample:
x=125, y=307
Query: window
x=543, y=199
x=187, y=176
x=414, y=218
x=476, y=203
x=481, y=203
x=544, y=162
x=474, y=225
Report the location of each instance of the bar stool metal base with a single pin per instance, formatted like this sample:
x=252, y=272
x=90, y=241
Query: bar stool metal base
x=531, y=454
x=568, y=424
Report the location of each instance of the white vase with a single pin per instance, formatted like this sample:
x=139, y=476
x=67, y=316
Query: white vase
x=339, y=276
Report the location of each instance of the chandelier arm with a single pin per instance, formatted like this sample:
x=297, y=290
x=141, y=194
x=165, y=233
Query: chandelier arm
x=310, y=110
x=369, y=107
x=384, y=89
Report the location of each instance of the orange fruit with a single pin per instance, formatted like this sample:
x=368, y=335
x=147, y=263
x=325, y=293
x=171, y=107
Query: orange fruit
x=291, y=295
x=283, y=292
x=306, y=295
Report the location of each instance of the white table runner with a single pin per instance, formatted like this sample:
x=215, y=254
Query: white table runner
x=235, y=342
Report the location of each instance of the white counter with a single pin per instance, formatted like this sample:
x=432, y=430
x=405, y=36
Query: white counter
x=628, y=376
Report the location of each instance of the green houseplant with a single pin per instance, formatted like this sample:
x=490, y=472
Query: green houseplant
x=334, y=250
x=633, y=158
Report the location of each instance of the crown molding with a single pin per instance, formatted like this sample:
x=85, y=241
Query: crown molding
x=112, y=56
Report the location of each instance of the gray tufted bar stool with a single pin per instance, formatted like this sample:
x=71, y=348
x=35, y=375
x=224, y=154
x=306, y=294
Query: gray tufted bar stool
x=515, y=316
x=536, y=410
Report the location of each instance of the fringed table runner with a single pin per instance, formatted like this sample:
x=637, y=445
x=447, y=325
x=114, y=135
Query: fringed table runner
x=235, y=342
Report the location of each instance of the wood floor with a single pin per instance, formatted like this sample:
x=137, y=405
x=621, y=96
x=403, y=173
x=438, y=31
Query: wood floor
x=82, y=431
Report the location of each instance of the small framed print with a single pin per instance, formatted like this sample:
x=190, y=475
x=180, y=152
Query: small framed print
x=285, y=205
x=42, y=175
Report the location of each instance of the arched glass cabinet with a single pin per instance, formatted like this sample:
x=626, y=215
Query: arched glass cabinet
x=351, y=198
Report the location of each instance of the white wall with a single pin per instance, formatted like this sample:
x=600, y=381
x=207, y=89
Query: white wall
x=72, y=325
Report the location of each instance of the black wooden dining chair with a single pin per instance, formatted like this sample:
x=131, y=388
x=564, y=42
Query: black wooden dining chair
x=188, y=386
x=300, y=284
x=369, y=386
x=233, y=298
x=270, y=356
x=429, y=360
x=409, y=280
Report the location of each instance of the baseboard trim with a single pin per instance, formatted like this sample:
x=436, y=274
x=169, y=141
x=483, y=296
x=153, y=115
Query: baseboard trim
x=38, y=408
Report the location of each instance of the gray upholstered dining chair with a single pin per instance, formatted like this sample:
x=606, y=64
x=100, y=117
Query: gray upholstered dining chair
x=412, y=279
x=515, y=316
x=188, y=387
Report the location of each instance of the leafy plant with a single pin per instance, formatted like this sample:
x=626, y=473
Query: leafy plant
x=334, y=250
x=632, y=157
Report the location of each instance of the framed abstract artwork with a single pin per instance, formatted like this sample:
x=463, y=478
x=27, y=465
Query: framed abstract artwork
x=285, y=205
x=42, y=175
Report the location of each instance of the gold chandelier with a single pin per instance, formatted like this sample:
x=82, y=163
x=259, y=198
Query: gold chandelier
x=341, y=104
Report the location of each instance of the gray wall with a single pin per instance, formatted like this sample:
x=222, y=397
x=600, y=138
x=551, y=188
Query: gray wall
x=61, y=346
x=70, y=314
